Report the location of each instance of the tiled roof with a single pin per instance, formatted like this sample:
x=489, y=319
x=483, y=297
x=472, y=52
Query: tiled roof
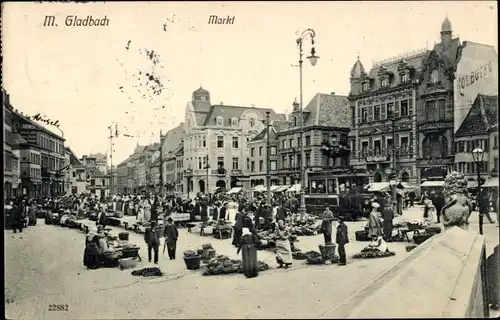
x=414, y=61
x=357, y=69
x=481, y=117
x=95, y=172
x=263, y=135
x=172, y=139
x=449, y=54
x=73, y=159
x=327, y=110
x=229, y=112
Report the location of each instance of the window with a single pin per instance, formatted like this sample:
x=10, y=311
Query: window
x=204, y=142
x=376, y=113
x=364, y=148
x=261, y=165
x=283, y=160
x=405, y=77
x=220, y=162
x=404, y=108
x=291, y=161
x=308, y=159
x=235, y=142
x=291, y=143
x=434, y=76
x=377, y=146
x=430, y=111
x=260, y=150
x=366, y=86
x=220, y=142
x=252, y=122
x=252, y=166
x=274, y=151
x=299, y=142
x=364, y=115
x=234, y=122
x=92, y=182
x=284, y=144
x=248, y=164
x=308, y=140
x=442, y=109
x=404, y=145
x=74, y=174
x=200, y=163
x=236, y=163
x=298, y=161
x=390, y=110
x=384, y=82
x=103, y=182
x=252, y=152
x=461, y=146
x=495, y=142
x=495, y=165
x=274, y=165
x=220, y=121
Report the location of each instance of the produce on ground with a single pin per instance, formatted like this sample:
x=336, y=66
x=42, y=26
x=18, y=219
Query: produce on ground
x=298, y=255
x=223, y=265
x=372, y=253
x=410, y=247
x=148, y=272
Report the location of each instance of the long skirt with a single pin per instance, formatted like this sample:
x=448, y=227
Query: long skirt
x=91, y=257
x=249, y=259
x=284, y=251
x=147, y=215
x=231, y=215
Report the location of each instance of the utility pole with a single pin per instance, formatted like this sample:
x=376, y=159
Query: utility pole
x=268, y=160
x=111, y=182
x=394, y=172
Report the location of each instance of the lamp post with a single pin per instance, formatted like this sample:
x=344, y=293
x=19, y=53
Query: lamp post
x=392, y=117
x=477, y=155
x=207, y=167
x=111, y=136
x=188, y=175
x=313, y=59
x=268, y=160
x=162, y=139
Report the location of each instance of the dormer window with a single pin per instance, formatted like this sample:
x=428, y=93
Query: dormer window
x=234, y=122
x=384, y=82
x=405, y=77
x=434, y=76
x=220, y=121
x=366, y=86
x=252, y=122
x=203, y=98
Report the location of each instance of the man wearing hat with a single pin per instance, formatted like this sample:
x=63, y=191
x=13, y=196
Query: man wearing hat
x=342, y=238
x=171, y=235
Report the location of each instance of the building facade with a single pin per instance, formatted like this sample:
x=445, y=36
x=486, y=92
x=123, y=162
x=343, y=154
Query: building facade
x=101, y=161
x=11, y=158
x=76, y=173
x=383, y=119
x=215, y=142
x=97, y=182
x=257, y=161
x=479, y=129
x=179, y=169
x=52, y=154
x=326, y=117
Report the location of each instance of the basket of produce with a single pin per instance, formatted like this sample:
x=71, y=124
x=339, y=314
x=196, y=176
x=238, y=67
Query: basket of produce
x=313, y=257
x=127, y=263
x=112, y=254
x=372, y=253
x=123, y=236
x=361, y=235
x=327, y=252
x=420, y=238
x=130, y=251
x=433, y=230
x=207, y=255
x=192, y=260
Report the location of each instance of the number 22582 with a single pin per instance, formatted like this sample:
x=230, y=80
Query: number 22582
x=58, y=307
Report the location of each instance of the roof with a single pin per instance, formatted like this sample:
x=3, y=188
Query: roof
x=450, y=54
x=73, y=159
x=172, y=139
x=446, y=25
x=230, y=112
x=327, y=110
x=276, y=126
x=357, y=69
x=27, y=119
x=95, y=172
x=98, y=156
x=481, y=117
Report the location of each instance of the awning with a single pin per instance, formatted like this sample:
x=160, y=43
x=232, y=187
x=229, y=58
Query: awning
x=408, y=186
x=280, y=188
x=436, y=183
x=274, y=188
x=491, y=182
x=471, y=184
x=378, y=186
x=234, y=190
x=294, y=188
x=259, y=188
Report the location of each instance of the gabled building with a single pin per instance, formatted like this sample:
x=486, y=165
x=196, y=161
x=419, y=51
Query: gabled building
x=383, y=104
x=97, y=181
x=11, y=158
x=76, y=178
x=479, y=129
x=215, y=138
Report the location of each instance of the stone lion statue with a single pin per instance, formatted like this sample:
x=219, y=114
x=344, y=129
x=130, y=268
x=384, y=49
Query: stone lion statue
x=458, y=207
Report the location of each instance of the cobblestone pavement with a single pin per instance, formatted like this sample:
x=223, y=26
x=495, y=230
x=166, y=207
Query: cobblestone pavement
x=44, y=266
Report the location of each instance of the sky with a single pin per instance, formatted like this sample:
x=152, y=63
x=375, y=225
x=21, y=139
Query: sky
x=88, y=77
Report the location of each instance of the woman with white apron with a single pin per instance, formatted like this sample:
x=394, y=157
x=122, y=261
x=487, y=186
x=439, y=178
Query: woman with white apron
x=147, y=210
x=232, y=209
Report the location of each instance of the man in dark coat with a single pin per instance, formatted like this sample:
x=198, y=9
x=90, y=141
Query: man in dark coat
x=171, y=235
x=388, y=216
x=342, y=238
x=238, y=227
x=439, y=203
x=152, y=239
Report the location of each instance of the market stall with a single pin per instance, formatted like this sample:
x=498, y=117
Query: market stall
x=235, y=190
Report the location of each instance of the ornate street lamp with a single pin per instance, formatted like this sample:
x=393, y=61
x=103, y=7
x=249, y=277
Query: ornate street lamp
x=477, y=155
x=313, y=59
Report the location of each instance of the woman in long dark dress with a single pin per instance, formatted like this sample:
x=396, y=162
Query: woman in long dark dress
x=249, y=254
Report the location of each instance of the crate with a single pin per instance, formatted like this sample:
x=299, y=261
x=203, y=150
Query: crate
x=361, y=235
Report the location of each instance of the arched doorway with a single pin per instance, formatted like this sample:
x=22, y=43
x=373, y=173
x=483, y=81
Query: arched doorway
x=221, y=184
x=377, y=177
x=201, y=184
x=405, y=177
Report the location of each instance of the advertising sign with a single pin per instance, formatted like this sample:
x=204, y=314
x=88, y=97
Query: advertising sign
x=477, y=73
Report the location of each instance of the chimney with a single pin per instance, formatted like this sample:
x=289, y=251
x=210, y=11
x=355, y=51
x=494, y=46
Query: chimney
x=221, y=103
x=332, y=93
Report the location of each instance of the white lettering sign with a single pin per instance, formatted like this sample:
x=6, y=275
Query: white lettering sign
x=469, y=78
